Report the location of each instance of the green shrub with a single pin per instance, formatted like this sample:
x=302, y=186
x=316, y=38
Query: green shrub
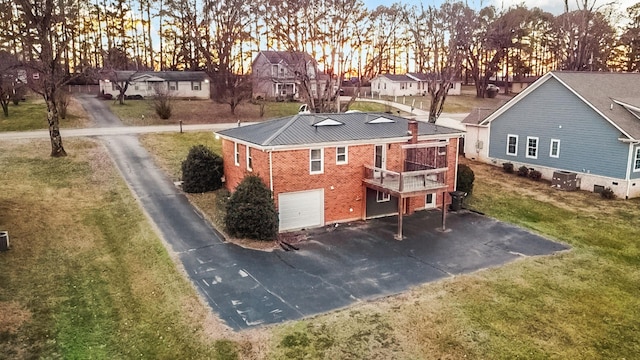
x=608, y=194
x=523, y=171
x=535, y=175
x=465, y=178
x=202, y=170
x=507, y=167
x=251, y=212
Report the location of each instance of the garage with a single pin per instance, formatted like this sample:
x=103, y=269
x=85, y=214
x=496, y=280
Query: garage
x=301, y=209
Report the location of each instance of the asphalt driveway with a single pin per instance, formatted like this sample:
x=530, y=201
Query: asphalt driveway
x=336, y=267
x=340, y=266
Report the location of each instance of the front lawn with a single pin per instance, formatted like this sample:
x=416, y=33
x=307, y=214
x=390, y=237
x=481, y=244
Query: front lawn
x=87, y=276
x=141, y=112
x=32, y=115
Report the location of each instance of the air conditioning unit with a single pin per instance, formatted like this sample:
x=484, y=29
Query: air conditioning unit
x=564, y=180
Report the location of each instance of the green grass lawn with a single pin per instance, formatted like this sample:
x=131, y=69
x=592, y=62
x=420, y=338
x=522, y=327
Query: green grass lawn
x=88, y=277
x=453, y=104
x=32, y=115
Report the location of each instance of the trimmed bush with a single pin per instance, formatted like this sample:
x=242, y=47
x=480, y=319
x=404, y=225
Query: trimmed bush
x=251, y=212
x=202, y=170
x=465, y=178
x=535, y=175
x=507, y=167
x=608, y=194
x=523, y=171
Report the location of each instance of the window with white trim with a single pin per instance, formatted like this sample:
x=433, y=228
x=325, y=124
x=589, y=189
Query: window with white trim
x=636, y=162
x=196, y=86
x=249, y=160
x=382, y=196
x=532, y=147
x=512, y=145
x=316, y=163
x=173, y=86
x=554, y=148
x=236, y=154
x=341, y=155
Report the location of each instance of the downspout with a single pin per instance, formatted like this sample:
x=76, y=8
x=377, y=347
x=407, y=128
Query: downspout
x=455, y=182
x=271, y=171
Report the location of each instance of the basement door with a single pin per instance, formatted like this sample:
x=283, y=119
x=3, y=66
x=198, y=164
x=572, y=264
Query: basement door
x=301, y=209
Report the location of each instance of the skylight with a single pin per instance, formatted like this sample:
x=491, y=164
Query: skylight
x=328, y=122
x=381, y=120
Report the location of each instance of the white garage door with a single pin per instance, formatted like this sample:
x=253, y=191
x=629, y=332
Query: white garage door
x=301, y=209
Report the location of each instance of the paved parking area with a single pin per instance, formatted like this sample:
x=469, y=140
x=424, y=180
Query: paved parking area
x=337, y=267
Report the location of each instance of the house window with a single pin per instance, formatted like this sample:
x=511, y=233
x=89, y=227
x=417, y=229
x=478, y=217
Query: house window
x=382, y=196
x=196, y=85
x=512, y=145
x=402, y=85
x=378, y=86
x=315, y=161
x=554, y=149
x=149, y=86
x=249, y=160
x=636, y=166
x=341, y=155
x=532, y=147
x=173, y=86
x=236, y=154
x=114, y=86
x=274, y=70
x=385, y=86
x=136, y=87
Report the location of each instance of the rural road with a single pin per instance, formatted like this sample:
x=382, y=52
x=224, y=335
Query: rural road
x=336, y=266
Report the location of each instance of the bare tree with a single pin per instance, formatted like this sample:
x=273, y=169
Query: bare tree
x=8, y=80
x=42, y=19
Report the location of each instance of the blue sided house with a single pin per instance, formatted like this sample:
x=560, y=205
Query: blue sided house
x=584, y=125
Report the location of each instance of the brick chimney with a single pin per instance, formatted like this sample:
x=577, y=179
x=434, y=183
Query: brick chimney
x=413, y=131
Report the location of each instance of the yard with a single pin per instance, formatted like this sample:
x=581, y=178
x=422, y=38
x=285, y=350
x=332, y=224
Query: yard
x=141, y=112
x=32, y=115
x=88, y=277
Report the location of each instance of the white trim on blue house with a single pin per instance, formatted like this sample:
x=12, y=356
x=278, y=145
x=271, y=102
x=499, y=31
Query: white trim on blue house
x=534, y=148
x=636, y=160
x=515, y=146
x=557, y=149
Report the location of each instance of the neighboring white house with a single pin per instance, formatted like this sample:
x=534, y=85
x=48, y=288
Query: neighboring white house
x=410, y=84
x=180, y=84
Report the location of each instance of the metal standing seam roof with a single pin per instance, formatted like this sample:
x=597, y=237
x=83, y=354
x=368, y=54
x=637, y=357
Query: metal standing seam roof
x=300, y=130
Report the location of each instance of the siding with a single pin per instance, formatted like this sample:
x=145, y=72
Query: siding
x=588, y=143
x=634, y=174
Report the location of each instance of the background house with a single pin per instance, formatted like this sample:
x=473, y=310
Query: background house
x=331, y=168
x=587, y=123
x=278, y=75
x=410, y=84
x=180, y=84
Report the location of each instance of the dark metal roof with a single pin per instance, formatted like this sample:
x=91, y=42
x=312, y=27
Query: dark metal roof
x=166, y=75
x=300, y=130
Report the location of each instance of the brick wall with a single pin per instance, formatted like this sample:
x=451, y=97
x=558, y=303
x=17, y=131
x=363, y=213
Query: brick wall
x=342, y=184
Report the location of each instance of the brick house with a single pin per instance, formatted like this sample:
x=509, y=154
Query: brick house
x=332, y=168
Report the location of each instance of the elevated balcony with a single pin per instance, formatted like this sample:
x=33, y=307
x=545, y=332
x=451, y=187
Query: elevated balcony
x=407, y=183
